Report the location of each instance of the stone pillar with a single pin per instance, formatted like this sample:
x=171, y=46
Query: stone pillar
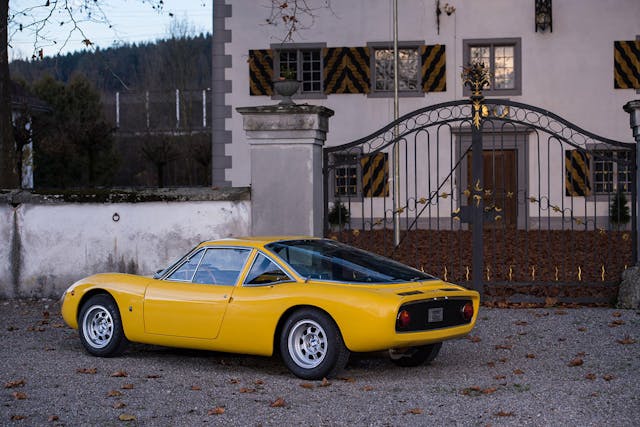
x=286, y=167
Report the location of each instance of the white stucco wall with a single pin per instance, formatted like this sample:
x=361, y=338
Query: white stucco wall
x=60, y=243
x=568, y=71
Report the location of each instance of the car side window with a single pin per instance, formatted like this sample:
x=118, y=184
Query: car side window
x=185, y=272
x=264, y=272
x=221, y=266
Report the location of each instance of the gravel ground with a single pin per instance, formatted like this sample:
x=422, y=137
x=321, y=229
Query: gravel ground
x=550, y=366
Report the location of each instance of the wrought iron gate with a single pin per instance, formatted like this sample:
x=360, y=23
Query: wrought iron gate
x=492, y=193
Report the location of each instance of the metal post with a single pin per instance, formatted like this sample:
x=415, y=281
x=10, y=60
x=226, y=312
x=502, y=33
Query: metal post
x=177, y=108
x=117, y=109
x=396, y=147
x=633, y=108
x=477, y=208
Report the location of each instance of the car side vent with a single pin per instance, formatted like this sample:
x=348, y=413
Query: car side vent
x=449, y=289
x=404, y=294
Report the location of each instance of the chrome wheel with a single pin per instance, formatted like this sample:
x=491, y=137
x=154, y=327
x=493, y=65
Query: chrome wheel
x=307, y=344
x=97, y=326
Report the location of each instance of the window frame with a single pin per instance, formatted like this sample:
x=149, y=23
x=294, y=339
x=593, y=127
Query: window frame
x=167, y=276
x=615, y=173
x=298, y=48
x=337, y=164
x=516, y=42
x=253, y=263
x=373, y=46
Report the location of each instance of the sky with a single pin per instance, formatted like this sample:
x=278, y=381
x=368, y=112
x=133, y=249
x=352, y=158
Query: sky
x=132, y=21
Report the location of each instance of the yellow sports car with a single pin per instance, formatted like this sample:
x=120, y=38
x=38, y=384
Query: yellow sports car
x=313, y=300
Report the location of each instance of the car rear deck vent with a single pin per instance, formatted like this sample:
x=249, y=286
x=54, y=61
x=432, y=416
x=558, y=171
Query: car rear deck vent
x=404, y=294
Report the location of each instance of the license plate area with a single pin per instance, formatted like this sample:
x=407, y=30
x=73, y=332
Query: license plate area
x=435, y=315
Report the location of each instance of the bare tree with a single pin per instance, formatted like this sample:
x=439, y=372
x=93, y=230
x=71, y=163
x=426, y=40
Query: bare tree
x=295, y=15
x=38, y=20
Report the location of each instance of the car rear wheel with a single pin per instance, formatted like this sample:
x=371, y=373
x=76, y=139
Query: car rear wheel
x=311, y=345
x=100, y=327
x=415, y=356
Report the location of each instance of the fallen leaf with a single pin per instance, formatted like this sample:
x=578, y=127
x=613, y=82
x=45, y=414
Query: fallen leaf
x=550, y=301
x=234, y=381
x=489, y=390
x=18, y=395
x=196, y=388
x=608, y=377
x=503, y=414
x=307, y=385
x=503, y=360
x=590, y=376
x=626, y=340
x=14, y=384
x=278, y=403
x=582, y=329
x=503, y=347
x=576, y=362
x=114, y=393
x=127, y=386
x=415, y=411
x=325, y=383
x=18, y=417
x=90, y=371
x=561, y=312
x=259, y=382
x=218, y=410
x=518, y=372
x=368, y=388
x=522, y=323
x=126, y=417
x=499, y=377
x=152, y=376
x=581, y=354
x=616, y=314
x=531, y=356
x=247, y=390
x=119, y=374
x=118, y=405
x=491, y=364
x=347, y=379
x=53, y=418
x=474, y=338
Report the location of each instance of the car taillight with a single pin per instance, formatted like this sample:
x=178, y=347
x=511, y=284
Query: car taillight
x=403, y=319
x=467, y=311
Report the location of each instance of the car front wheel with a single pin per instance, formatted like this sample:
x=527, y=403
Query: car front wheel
x=311, y=345
x=415, y=356
x=100, y=327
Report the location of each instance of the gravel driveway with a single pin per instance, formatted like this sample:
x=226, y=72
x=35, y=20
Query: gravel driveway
x=550, y=366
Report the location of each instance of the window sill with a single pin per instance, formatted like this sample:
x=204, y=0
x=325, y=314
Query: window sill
x=401, y=94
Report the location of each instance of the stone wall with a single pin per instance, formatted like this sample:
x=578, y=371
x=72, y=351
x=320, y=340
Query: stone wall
x=48, y=241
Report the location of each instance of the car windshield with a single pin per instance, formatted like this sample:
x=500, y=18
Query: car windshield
x=330, y=260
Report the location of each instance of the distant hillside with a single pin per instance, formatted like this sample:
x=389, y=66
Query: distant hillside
x=177, y=63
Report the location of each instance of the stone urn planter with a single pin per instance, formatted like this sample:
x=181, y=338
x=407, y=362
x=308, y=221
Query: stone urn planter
x=285, y=88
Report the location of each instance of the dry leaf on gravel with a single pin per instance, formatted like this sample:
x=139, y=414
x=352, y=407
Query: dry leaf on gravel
x=114, y=393
x=196, y=388
x=118, y=405
x=368, y=388
x=127, y=386
x=278, y=403
x=590, y=376
x=499, y=377
x=582, y=329
x=18, y=417
x=503, y=347
x=89, y=371
x=325, y=383
x=576, y=362
x=531, y=356
x=127, y=417
x=608, y=377
x=347, y=379
x=626, y=340
x=247, y=390
x=307, y=385
x=119, y=374
x=415, y=411
x=153, y=376
x=14, y=384
x=218, y=410
x=616, y=314
x=503, y=414
x=259, y=382
x=18, y=395
x=518, y=372
x=53, y=418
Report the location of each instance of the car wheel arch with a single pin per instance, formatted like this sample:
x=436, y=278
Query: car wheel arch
x=288, y=313
x=87, y=295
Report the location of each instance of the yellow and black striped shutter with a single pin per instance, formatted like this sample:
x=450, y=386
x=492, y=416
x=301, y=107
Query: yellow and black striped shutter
x=434, y=68
x=346, y=70
x=577, y=174
x=375, y=175
x=626, y=64
x=260, y=72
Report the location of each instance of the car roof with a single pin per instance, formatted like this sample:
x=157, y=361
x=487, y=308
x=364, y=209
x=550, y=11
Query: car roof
x=253, y=241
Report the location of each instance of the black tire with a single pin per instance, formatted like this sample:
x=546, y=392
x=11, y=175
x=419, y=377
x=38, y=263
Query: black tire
x=100, y=327
x=415, y=356
x=311, y=345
